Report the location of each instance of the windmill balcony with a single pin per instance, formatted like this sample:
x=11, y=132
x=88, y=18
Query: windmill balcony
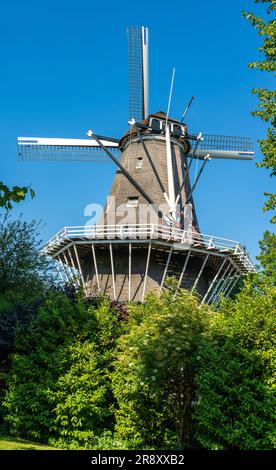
x=126, y=261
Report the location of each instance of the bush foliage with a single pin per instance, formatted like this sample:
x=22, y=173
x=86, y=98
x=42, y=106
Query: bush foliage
x=235, y=379
x=153, y=377
x=58, y=387
x=175, y=375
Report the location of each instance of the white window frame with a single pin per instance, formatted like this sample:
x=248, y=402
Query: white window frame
x=139, y=163
x=132, y=201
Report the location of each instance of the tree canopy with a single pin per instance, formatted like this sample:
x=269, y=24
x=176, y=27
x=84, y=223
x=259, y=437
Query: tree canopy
x=235, y=378
x=266, y=29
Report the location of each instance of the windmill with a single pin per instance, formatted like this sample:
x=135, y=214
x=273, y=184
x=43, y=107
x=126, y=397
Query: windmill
x=149, y=228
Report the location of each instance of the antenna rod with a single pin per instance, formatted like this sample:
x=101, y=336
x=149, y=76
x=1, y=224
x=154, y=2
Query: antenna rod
x=170, y=96
x=186, y=109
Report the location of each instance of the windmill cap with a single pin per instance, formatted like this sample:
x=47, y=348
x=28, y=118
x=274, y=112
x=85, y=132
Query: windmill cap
x=158, y=115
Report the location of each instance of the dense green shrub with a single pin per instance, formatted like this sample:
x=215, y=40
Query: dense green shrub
x=174, y=370
x=153, y=377
x=235, y=380
x=58, y=386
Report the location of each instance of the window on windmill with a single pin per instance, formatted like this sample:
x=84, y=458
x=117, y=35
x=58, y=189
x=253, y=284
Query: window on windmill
x=132, y=202
x=139, y=162
x=155, y=124
x=177, y=130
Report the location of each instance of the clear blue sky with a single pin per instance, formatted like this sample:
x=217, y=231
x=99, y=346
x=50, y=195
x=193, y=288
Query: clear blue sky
x=64, y=70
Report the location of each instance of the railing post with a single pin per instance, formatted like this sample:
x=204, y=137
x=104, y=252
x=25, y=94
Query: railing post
x=129, y=271
x=224, y=285
x=166, y=268
x=214, y=293
x=238, y=249
x=211, y=243
x=73, y=264
x=200, y=273
x=214, y=280
x=231, y=282
x=95, y=265
x=79, y=266
x=120, y=231
x=146, y=272
x=59, y=271
x=233, y=285
x=112, y=271
x=184, y=267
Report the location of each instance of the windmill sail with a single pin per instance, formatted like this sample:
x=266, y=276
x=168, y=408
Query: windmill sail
x=86, y=150
x=138, y=81
x=225, y=147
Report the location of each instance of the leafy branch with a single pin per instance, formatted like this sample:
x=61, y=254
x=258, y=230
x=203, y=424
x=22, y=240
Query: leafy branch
x=16, y=194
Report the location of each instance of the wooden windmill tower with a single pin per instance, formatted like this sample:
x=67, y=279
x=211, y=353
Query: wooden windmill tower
x=149, y=228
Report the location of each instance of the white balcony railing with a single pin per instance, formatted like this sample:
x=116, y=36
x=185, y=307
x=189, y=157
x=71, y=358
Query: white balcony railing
x=143, y=232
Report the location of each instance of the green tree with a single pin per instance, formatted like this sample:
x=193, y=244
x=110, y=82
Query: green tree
x=153, y=377
x=266, y=28
x=25, y=276
x=23, y=266
x=58, y=387
x=235, y=377
x=267, y=258
x=16, y=194
x=80, y=400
